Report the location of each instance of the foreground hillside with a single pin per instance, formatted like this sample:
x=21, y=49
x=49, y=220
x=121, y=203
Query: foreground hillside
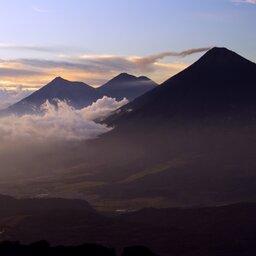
x=225, y=230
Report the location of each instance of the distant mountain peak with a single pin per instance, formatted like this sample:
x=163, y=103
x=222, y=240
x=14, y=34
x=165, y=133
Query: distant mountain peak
x=58, y=81
x=221, y=84
x=222, y=56
x=143, y=78
x=220, y=52
x=58, y=78
x=129, y=76
x=124, y=76
x=219, y=49
x=80, y=95
x=126, y=85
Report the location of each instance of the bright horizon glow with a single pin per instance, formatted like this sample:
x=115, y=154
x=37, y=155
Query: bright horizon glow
x=94, y=70
x=93, y=41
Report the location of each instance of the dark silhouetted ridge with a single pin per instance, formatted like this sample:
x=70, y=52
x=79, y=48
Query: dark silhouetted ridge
x=221, y=55
x=221, y=84
x=189, y=140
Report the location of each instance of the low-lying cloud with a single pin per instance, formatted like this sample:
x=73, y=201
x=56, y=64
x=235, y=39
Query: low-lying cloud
x=33, y=146
x=59, y=123
x=102, y=108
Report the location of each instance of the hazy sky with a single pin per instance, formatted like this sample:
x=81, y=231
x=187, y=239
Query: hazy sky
x=93, y=40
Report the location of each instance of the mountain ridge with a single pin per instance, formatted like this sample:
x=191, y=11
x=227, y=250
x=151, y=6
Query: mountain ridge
x=189, y=141
x=215, y=76
x=130, y=86
x=80, y=95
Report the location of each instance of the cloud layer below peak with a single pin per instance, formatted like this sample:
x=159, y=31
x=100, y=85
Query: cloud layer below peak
x=61, y=123
x=38, y=145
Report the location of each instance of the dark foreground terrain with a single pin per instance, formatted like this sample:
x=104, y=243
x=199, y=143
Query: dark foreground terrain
x=223, y=230
x=43, y=248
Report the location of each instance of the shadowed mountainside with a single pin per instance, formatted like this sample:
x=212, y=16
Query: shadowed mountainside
x=80, y=95
x=188, y=142
x=220, y=85
x=77, y=94
x=191, y=140
x=125, y=85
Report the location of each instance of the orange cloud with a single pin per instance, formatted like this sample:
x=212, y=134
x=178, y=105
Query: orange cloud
x=94, y=70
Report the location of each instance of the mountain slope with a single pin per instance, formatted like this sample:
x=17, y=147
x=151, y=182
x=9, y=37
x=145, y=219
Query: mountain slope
x=221, y=83
x=225, y=230
x=190, y=140
x=80, y=95
x=125, y=85
x=76, y=94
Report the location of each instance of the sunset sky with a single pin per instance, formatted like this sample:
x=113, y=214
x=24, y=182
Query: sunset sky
x=94, y=40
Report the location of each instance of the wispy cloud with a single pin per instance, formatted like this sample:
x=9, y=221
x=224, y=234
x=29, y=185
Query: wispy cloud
x=93, y=69
x=29, y=48
x=6, y=72
x=129, y=64
x=65, y=64
x=145, y=62
x=245, y=1
x=40, y=10
x=156, y=57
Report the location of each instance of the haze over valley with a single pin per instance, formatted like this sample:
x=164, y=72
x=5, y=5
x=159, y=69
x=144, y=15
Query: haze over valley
x=127, y=128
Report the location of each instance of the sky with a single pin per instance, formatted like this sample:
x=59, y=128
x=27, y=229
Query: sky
x=94, y=40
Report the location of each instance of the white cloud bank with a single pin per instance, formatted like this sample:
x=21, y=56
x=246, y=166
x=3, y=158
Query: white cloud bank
x=34, y=146
x=61, y=123
x=102, y=108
